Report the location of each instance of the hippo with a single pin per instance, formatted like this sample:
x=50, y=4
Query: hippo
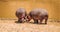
x=21, y=14
x=38, y=14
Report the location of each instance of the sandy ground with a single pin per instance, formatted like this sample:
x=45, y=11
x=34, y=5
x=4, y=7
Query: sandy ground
x=11, y=26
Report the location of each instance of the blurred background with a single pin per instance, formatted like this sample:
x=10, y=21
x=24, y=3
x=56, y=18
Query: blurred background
x=9, y=7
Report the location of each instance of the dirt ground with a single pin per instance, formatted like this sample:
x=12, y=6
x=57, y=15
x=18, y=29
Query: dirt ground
x=11, y=26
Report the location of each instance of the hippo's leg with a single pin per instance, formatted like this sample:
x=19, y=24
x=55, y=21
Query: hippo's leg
x=20, y=20
x=35, y=21
x=46, y=18
x=41, y=19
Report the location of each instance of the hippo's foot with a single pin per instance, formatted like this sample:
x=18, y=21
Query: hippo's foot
x=41, y=23
x=19, y=21
x=35, y=21
x=45, y=23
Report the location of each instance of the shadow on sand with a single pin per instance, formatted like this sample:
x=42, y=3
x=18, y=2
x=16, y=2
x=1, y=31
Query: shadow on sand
x=31, y=23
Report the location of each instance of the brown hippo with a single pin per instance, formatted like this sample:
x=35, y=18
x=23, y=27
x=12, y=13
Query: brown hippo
x=21, y=14
x=38, y=14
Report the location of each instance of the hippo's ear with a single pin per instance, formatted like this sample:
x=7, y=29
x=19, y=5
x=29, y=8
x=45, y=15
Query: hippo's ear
x=28, y=18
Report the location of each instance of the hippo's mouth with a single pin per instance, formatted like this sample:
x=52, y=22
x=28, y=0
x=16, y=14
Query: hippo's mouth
x=21, y=16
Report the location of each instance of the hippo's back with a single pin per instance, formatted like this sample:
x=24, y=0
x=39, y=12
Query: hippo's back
x=40, y=11
x=21, y=10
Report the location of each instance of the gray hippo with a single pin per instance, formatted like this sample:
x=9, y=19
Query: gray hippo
x=21, y=14
x=38, y=14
